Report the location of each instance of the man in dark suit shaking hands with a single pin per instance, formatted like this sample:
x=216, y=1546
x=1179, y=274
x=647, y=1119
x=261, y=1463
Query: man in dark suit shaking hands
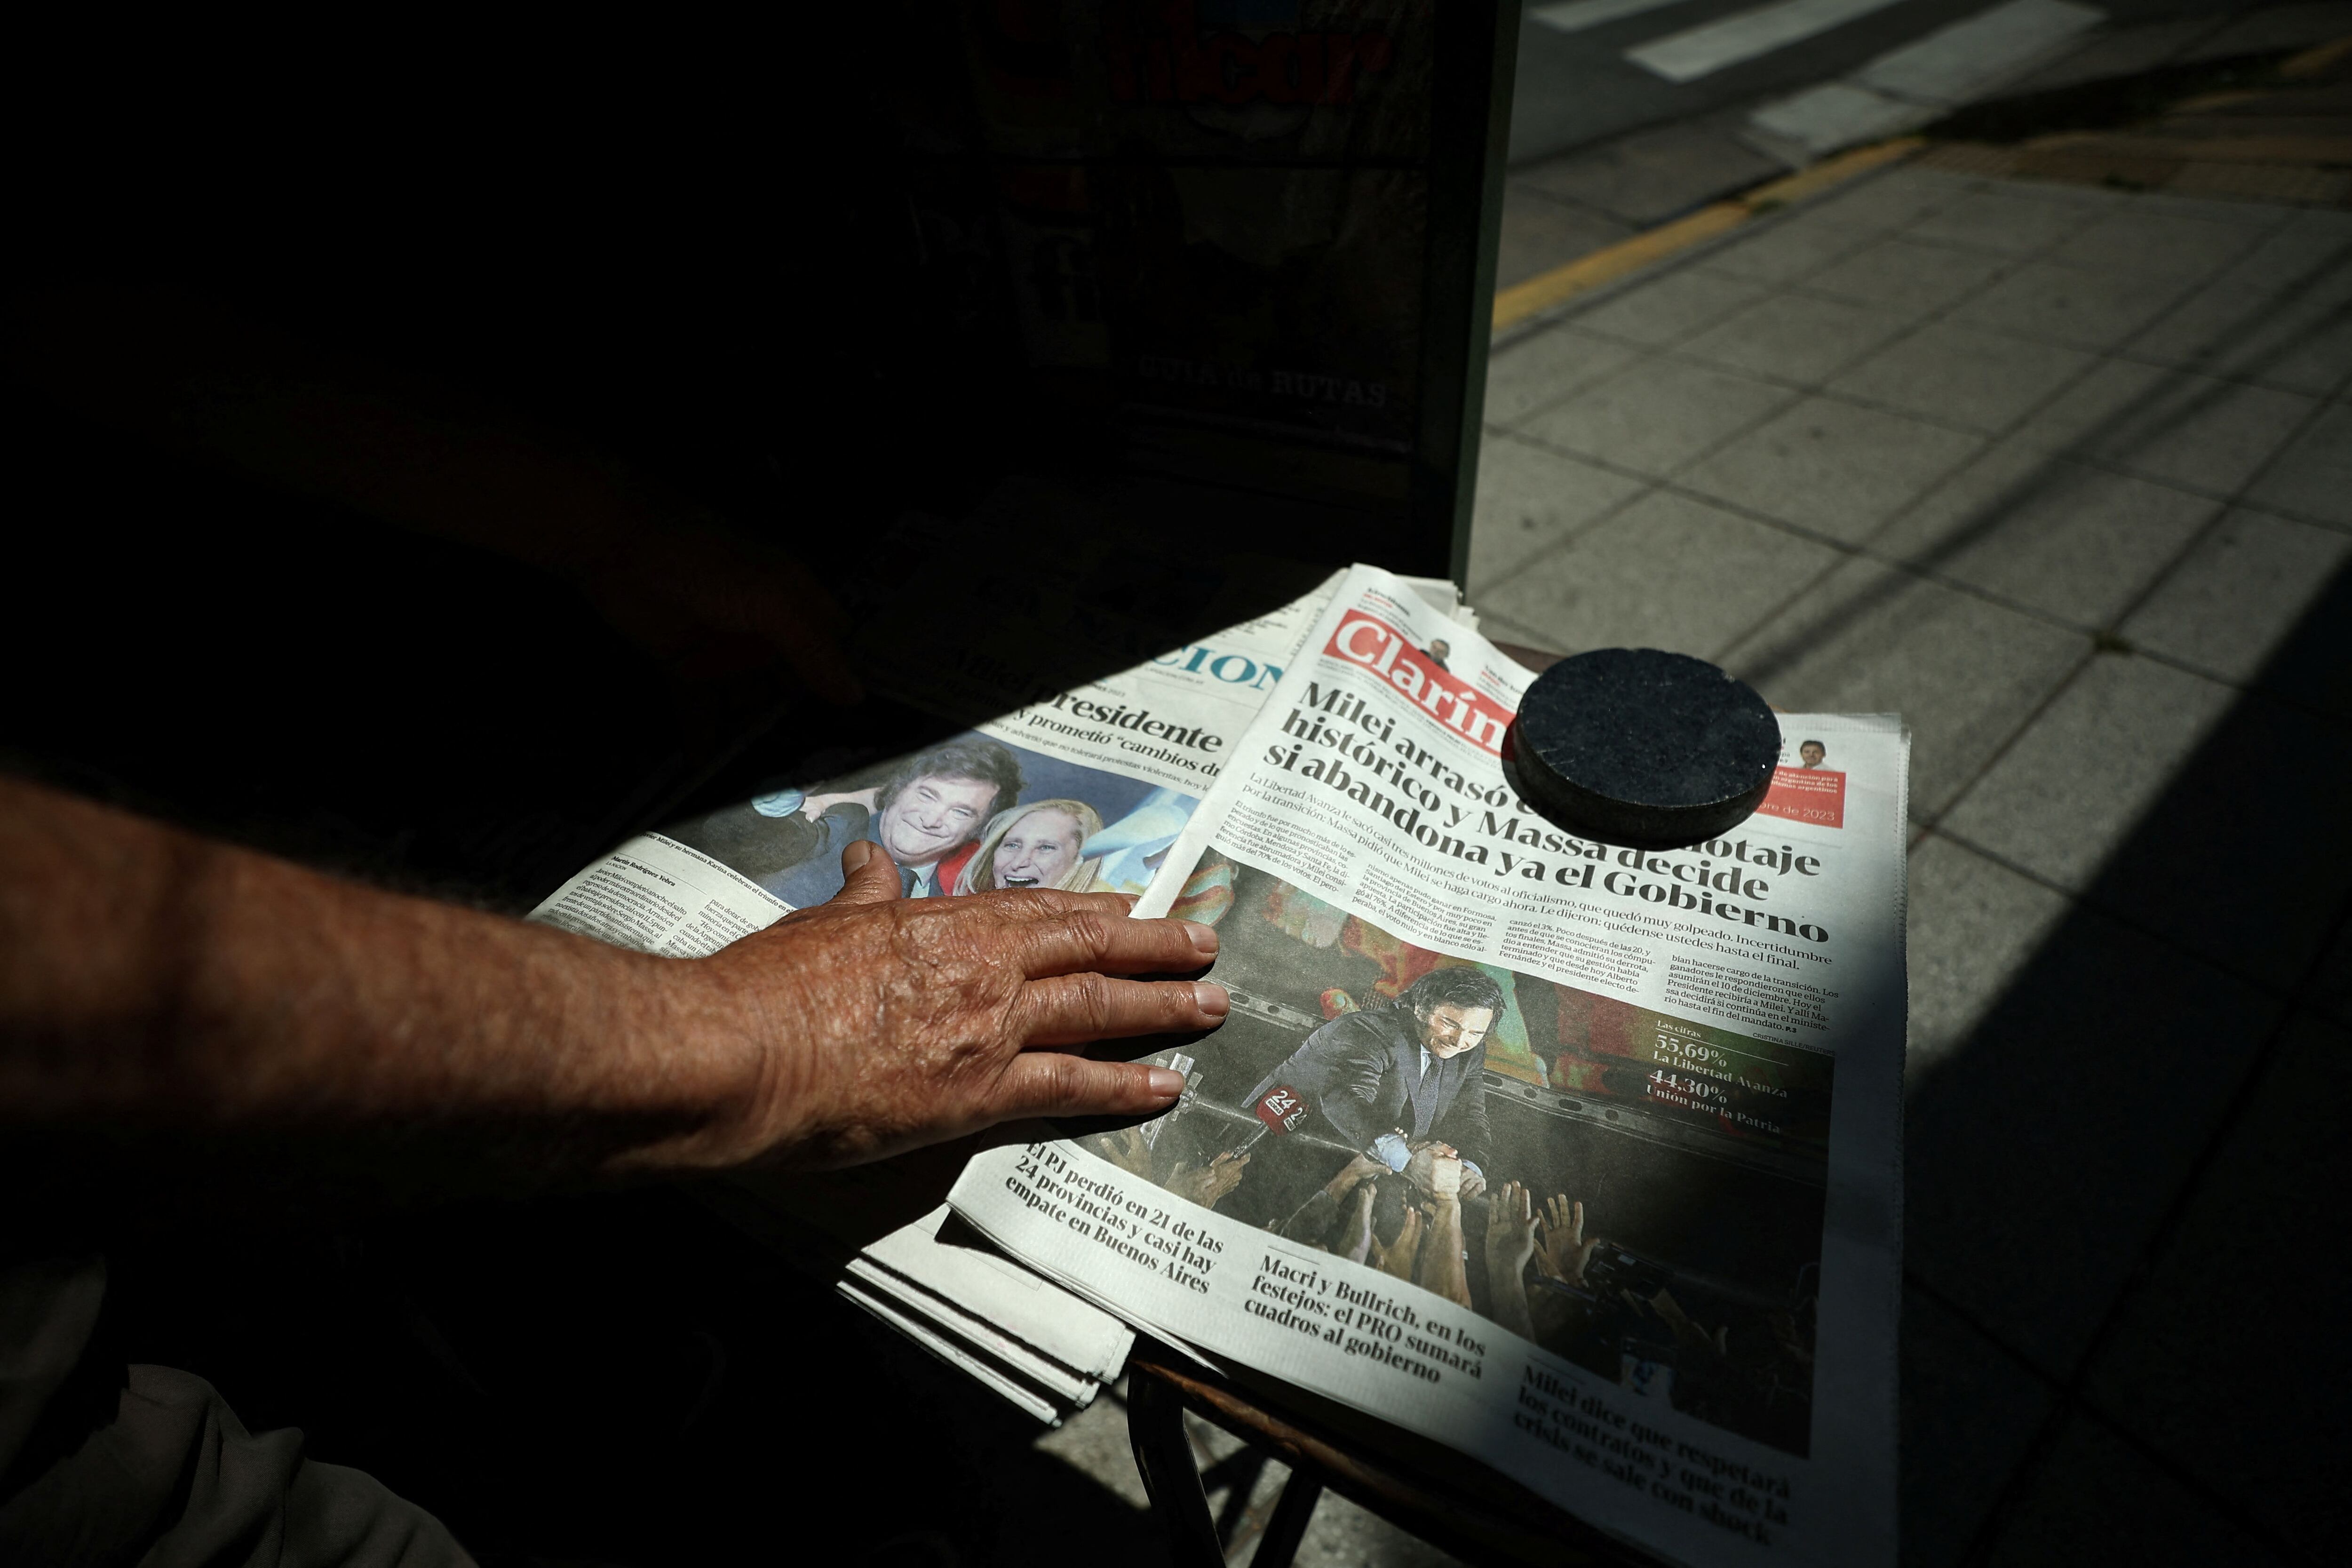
x=1387, y=1078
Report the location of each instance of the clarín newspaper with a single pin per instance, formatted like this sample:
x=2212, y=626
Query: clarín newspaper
x=1583, y=1160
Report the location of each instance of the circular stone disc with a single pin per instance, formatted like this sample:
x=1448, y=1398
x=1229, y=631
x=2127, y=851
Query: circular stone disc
x=1643, y=747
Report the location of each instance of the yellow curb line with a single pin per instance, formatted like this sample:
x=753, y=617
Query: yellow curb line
x=1521, y=301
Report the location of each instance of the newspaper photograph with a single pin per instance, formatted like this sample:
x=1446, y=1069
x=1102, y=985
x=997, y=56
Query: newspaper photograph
x=1581, y=1159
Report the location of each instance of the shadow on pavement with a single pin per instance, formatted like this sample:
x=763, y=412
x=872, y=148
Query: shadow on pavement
x=2127, y=1176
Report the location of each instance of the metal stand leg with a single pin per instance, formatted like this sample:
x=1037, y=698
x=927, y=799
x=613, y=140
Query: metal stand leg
x=1155, y=1427
x=1288, y=1527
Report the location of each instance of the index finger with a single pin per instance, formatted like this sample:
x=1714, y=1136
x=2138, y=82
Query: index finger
x=1105, y=940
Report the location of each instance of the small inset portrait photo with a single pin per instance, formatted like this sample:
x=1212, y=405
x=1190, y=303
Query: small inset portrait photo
x=1812, y=753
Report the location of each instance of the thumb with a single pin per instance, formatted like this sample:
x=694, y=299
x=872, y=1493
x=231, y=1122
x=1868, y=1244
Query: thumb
x=868, y=875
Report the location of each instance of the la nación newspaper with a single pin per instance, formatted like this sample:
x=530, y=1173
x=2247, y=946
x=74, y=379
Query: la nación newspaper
x=1581, y=1158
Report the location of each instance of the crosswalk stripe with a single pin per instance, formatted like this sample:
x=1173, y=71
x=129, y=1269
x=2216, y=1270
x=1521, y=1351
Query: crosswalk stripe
x=1576, y=16
x=1727, y=41
x=1952, y=62
x=1908, y=87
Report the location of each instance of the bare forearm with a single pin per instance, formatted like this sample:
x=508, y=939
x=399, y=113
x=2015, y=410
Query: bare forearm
x=151, y=977
x=1442, y=1268
x=1506, y=1296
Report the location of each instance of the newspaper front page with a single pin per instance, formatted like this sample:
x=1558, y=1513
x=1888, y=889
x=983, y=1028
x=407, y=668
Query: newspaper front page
x=1581, y=1158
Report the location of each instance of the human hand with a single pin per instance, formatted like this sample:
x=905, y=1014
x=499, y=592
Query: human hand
x=1424, y=1154
x=1474, y=1181
x=816, y=805
x=1123, y=1147
x=1564, y=1251
x=1510, y=1232
x=1399, y=1256
x=1688, y=1332
x=1445, y=1179
x=1362, y=1168
x=1208, y=1184
x=873, y=1024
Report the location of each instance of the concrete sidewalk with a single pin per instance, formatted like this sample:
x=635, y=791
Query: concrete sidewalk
x=2064, y=476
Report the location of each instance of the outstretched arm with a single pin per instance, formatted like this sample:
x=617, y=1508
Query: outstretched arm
x=151, y=977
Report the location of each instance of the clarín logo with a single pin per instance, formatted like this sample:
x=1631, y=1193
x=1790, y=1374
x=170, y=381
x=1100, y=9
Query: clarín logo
x=1382, y=649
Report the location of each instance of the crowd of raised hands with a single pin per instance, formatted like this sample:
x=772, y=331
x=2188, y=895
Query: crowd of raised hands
x=1425, y=1237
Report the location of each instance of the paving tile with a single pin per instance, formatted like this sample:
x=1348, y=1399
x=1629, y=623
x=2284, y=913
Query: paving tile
x=1094, y=1442
x=2067, y=794
x=1890, y=200
x=1833, y=466
x=2094, y=1499
x=2299, y=341
x=1656, y=416
x=1528, y=500
x=2231, y=604
x=1974, y=926
x=2170, y=425
x=2219, y=1381
x=1544, y=367
x=1667, y=572
x=1970, y=1412
x=1781, y=251
x=2074, y=541
x=2011, y=221
x=1871, y=639
x=2127, y=51
x=2043, y=1151
x=2299, y=256
x=1986, y=381
x=2175, y=245
x=2070, y=304
x=1668, y=308
x=2313, y=477
x=1539, y=234
x=1797, y=337
x=1343, y=1535
x=1908, y=274
x=2312, y=666
x=1653, y=175
x=2245, y=854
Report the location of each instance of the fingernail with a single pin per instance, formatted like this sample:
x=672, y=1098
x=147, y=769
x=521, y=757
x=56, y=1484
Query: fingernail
x=1210, y=998
x=1167, y=1084
x=854, y=858
x=1204, y=938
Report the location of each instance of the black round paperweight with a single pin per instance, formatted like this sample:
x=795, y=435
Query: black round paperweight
x=1650, y=749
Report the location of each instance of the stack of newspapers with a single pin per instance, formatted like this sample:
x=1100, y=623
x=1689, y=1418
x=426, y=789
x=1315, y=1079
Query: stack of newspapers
x=1580, y=1158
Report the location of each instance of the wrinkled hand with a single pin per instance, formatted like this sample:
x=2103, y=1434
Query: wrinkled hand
x=1510, y=1232
x=1564, y=1250
x=1474, y=1181
x=1205, y=1184
x=875, y=1024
